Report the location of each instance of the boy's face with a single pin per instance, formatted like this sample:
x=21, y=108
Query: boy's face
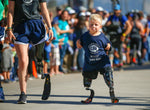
x=95, y=26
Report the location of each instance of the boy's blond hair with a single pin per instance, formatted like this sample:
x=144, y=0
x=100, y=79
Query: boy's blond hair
x=96, y=17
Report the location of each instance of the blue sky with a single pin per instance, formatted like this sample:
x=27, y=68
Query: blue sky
x=126, y=5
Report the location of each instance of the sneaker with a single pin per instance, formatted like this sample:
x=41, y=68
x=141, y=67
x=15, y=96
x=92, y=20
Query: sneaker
x=2, y=97
x=22, y=98
x=6, y=81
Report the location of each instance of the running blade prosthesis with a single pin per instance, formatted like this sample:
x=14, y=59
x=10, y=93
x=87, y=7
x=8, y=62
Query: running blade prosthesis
x=89, y=99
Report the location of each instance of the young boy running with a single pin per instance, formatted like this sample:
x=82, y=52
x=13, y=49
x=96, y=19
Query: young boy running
x=96, y=60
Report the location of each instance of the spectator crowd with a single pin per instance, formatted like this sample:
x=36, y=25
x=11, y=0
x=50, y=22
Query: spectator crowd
x=129, y=35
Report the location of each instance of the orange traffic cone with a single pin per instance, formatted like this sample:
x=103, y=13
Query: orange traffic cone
x=34, y=70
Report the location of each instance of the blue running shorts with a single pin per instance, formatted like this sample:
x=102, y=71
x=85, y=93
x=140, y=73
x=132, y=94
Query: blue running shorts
x=31, y=31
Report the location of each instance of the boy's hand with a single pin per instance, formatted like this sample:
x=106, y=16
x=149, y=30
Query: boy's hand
x=108, y=46
x=78, y=44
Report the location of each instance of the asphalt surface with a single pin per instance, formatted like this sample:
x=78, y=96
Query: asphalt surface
x=132, y=87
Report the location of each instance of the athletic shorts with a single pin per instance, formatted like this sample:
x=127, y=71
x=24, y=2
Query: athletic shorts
x=31, y=31
x=94, y=74
x=46, y=56
x=145, y=45
x=2, y=33
x=55, y=58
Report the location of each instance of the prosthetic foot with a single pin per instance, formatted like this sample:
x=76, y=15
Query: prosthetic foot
x=112, y=96
x=89, y=99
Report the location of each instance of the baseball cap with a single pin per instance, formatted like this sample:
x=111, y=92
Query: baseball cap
x=88, y=13
x=58, y=8
x=99, y=8
x=82, y=14
x=82, y=8
x=72, y=11
x=117, y=7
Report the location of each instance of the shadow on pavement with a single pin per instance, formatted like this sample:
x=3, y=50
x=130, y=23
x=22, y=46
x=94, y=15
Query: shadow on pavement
x=135, y=67
x=142, y=101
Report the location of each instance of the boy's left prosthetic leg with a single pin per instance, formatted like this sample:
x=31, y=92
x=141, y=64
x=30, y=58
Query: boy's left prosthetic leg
x=108, y=77
x=87, y=83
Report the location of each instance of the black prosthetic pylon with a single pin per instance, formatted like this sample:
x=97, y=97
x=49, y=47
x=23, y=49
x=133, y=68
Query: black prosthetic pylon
x=89, y=99
x=112, y=96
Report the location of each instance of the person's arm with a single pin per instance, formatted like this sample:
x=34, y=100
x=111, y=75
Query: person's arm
x=128, y=30
x=46, y=17
x=108, y=21
x=10, y=20
x=108, y=46
x=79, y=42
x=140, y=27
x=63, y=31
x=147, y=30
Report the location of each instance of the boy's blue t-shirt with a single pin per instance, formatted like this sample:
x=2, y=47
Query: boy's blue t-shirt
x=95, y=54
x=63, y=25
x=56, y=40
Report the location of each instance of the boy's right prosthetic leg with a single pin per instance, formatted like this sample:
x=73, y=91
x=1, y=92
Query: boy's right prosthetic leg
x=87, y=84
x=108, y=77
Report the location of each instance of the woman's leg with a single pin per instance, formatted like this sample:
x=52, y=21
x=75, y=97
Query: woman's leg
x=22, y=52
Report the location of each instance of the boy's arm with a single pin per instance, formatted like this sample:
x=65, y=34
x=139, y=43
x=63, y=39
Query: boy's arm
x=78, y=43
x=108, y=46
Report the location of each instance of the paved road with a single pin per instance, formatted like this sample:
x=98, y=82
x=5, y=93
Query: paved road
x=132, y=87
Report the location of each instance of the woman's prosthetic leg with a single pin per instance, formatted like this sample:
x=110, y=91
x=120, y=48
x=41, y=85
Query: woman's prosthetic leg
x=39, y=57
x=108, y=77
x=87, y=83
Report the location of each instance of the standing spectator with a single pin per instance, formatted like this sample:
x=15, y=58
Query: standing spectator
x=116, y=30
x=100, y=11
x=47, y=54
x=135, y=37
x=80, y=28
x=64, y=31
x=2, y=37
x=87, y=14
x=3, y=13
x=148, y=38
x=3, y=9
x=28, y=28
x=73, y=20
x=7, y=60
x=58, y=13
x=144, y=22
x=55, y=54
